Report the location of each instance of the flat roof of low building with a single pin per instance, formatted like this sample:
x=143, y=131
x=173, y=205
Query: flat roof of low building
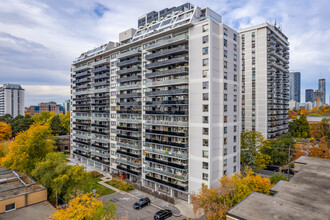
x=14, y=183
x=39, y=211
x=306, y=195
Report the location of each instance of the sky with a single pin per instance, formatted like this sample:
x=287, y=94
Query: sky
x=39, y=39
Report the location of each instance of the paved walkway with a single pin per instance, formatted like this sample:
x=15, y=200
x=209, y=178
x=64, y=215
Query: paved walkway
x=155, y=202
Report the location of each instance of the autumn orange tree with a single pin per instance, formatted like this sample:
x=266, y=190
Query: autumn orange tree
x=28, y=148
x=216, y=201
x=5, y=131
x=320, y=151
x=83, y=207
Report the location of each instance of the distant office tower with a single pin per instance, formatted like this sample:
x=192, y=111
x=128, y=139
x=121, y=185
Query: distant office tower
x=318, y=98
x=66, y=106
x=161, y=108
x=45, y=107
x=294, y=86
x=11, y=100
x=322, y=89
x=309, y=95
x=265, y=80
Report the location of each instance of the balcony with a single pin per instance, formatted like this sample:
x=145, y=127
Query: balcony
x=101, y=90
x=103, y=155
x=172, y=133
x=129, y=62
x=167, y=62
x=81, y=149
x=125, y=153
x=168, y=123
x=81, y=68
x=101, y=76
x=129, y=79
x=82, y=80
x=128, y=95
x=173, y=185
x=101, y=161
x=100, y=118
x=167, y=82
x=130, y=146
x=129, y=103
x=82, y=74
x=129, y=120
x=101, y=125
x=99, y=62
x=167, y=102
x=133, y=164
x=163, y=43
x=180, y=70
x=166, y=52
x=101, y=132
x=182, y=145
x=167, y=163
x=101, y=147
x=128, y=137
x=168, y=173
x=81, y=142
x=100, y=97
x=129, y=53
x=130, y=86
x=128, y=170
x=127, y=112
x=129, y=70
x=100, y=69
x=81, y=154
x=166, y=112
x=167, y=92
x=128, y=129
x=103, y=83
x=167, y=153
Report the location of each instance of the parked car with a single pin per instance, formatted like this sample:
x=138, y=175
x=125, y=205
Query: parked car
x=142, y=203
x=274, y=168
x=286, y=171
x=163, y=214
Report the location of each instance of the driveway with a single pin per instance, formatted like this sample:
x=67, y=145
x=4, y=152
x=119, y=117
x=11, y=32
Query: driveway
x=125, y=207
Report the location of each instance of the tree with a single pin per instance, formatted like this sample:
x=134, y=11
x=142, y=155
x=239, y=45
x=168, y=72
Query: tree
x=20, y=123
x=6, y=118
x=28, y=148
x=4, y=149
x=253, y=145
x=320, y=151
x=60, y=178
x=65, y=122
x=277, y=177
x=43, y=117
x=216, y=201
x=5, y=131
x=302, y=129
x=57, y=126
x=279, y=149
x=83, y=207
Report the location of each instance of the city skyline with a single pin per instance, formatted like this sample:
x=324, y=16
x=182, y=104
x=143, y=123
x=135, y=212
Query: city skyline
x=50, y=36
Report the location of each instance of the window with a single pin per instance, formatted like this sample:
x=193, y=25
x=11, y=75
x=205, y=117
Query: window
x=235, y=118
x=205, y=73
x=225, y=108
x=235, y=47
x=205, y=131
x=225, y=53
x=225, y=172
x=235, y=88
x=225, y=130
x=225, y=86
x=225, y=31
x=235, y=128
x=235, y=108
x=205, y=85
x=235, y=37
x=235, y=67
x=205, y=165
x=205, y=39
x=234, y=149
x=225, y=97
x=224, y=140
x=225, y=42
x=225, y=119
x=225, y=75
x=205, y=154
x=10, y=207
x=205, y=50
x=225, y=64
x=234, y=169
x=235, y=57
x=235, y=77
x=234, y=159
x=205, y=142
x=205, y=176
x=206, y=62
x=235, y=138
x=205, y=108
x=205, y=27
x=224, y=151
x=235, y=98
x=205, y=119
x=225, y=162
x=205, y=96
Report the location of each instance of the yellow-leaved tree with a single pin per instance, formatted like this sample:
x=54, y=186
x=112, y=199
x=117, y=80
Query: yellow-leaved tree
x=85, y=206
x=5, y=131
x=216, y=201
x=28, y=148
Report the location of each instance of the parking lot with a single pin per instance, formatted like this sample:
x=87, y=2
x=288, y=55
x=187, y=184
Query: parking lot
x=125, y=207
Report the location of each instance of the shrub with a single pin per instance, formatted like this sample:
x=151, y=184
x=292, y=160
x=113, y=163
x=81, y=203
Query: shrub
x=277, y=177
x=121, y=185
x=95, y=174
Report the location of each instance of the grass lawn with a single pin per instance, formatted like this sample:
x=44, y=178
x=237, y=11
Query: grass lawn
x=120, y=184
x=100, y=189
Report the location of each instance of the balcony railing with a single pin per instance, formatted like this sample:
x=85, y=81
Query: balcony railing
x=168, y=102
x=166, y=42
x=167, y=163
x=166, y=52
x=168, y=82
x=133, y=164
x=107, y=155
x=128, y=79
x=131, y=86
x=129, y=120
x=101, y=147
x=128, y=154
x=167, y=153
x=131, y=146
x=129, y=103
x=81, y=154
x=167, y=173
x=99, y=62
x=103, y=83
x=167, y=62
x=128, y=170
x=129, y=53
x=169, y=123
x=173, y=185
x=182, y=134
x=129, y=95
x=128, y=129
x=81, y=142
x=101, y=90
x=182, y=145
x=103, y=68
x=82, y=74
x=166, y=112
x=81, y=68
x=129, y=62
x=167, y=92
x=180, y=70
x=81, y=148
x=128, y=137
x=129, y=70
x=101, y=161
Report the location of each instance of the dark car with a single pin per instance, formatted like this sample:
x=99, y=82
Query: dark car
x=163, y=214
x=141, y=203
x=286, y=171
x=273, y=168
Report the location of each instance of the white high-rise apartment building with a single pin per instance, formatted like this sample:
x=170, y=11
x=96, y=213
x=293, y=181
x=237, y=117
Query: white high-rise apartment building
x=161, y=107
x=265, y=78
x=11, y=100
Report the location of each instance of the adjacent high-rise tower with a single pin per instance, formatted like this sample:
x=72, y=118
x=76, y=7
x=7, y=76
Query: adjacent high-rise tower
x=11, y=100
x=294, y=86
x=265, y=80
x=309, y=95
x=322, y=90
x=161, y=107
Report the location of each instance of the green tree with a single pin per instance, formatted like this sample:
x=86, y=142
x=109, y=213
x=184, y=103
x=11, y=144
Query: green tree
x=43, y=117
x=6, y=118
x=302, y=127
x=65, y=122
x=277, y=177
x=57, y=126
x=253, y=145
x=20, y=123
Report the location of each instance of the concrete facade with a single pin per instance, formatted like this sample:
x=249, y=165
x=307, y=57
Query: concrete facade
x=11, y=100
x=294, y=86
